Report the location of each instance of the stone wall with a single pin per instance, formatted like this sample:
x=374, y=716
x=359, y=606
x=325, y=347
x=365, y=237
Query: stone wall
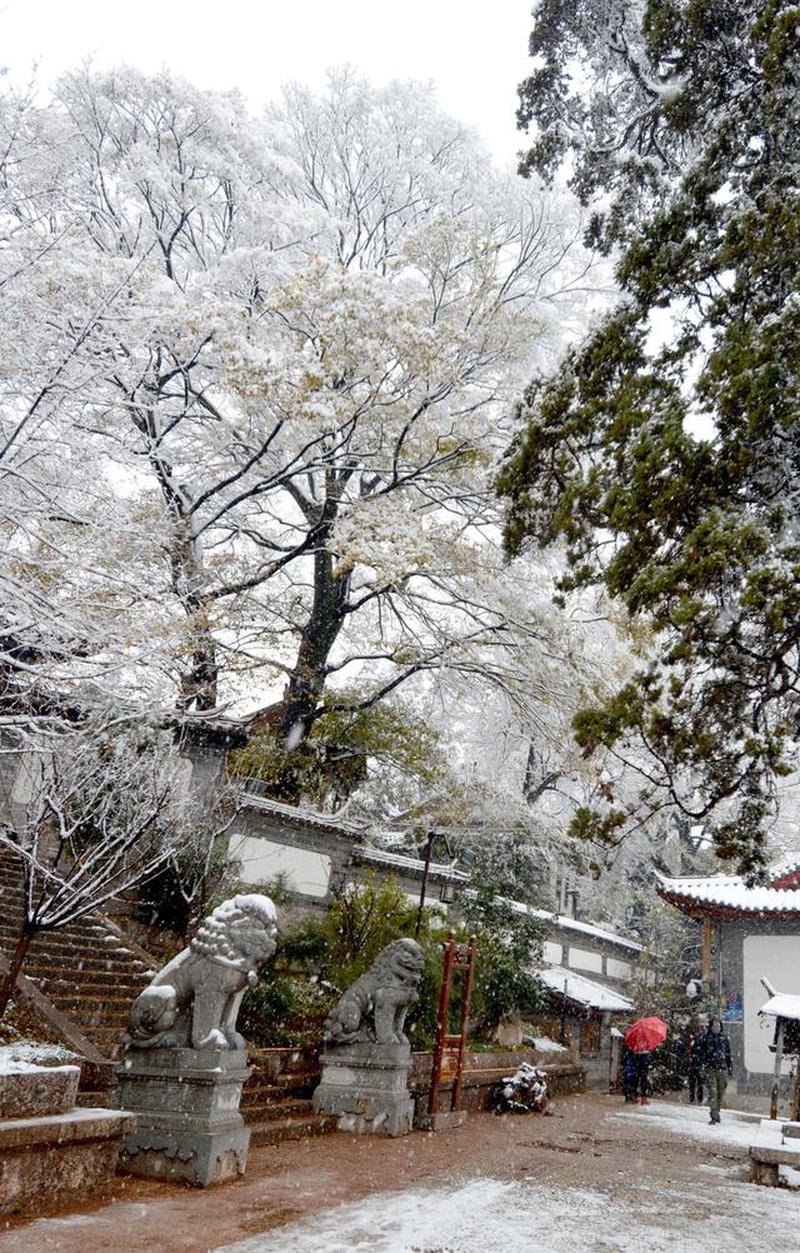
x=484, y=1070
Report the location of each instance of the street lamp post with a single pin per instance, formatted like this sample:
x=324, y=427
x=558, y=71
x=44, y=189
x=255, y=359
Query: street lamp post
x=433, y=836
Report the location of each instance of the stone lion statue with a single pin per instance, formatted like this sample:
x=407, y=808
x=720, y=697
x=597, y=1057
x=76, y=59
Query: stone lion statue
x=375, y=1007
x=194, y=1001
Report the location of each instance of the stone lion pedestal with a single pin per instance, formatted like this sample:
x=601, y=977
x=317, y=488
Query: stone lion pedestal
x=366, y=1086
x=366, y=1057
x=188, y=1124
x=184, y=1062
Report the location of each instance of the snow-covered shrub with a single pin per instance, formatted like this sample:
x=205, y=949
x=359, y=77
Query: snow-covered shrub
x=524, y=1092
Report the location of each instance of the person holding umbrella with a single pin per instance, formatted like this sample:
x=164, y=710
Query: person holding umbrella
x=640, y=1039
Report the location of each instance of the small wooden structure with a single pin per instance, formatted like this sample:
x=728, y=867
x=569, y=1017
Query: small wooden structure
x=449, y=1048
x=785, y=1008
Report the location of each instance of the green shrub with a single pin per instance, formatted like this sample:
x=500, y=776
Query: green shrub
x=318, y=960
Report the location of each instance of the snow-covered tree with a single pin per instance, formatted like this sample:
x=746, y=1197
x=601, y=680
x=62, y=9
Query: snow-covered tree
x=664, y=451
x=96, y=810
x=304, y=333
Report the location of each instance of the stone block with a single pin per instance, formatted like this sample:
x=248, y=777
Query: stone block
x=33, y=1091
x=199, y=1158
x=365, y=1085
x=187, y=1106
x=58, y=1155
x=441, y=1120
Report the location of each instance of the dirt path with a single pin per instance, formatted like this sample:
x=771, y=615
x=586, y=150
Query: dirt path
x=584, y=1144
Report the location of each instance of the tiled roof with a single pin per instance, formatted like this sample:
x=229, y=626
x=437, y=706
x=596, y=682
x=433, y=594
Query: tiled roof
x=415, y=865
x=729, y=892
x=583, y=991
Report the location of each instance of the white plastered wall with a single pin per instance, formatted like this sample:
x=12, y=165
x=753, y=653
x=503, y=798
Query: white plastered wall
x=777, y=957
x=306, y=871
x=584, y=959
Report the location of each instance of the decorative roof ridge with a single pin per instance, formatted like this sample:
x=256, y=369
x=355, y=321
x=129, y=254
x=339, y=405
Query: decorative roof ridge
x=296, y=813
x=437, y=869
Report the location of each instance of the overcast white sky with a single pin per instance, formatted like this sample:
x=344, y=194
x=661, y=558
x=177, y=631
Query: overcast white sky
x=474, y=50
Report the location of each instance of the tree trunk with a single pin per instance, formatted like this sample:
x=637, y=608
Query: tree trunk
x=305, y=690
x=199, y=684
x=537, y=778
x=306, y=685
x=15, y=965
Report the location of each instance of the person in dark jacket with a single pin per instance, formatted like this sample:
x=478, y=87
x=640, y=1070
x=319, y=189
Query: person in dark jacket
x=628, y=1074
x=643, y=1077
x=695, y=1071
x=715, y=1058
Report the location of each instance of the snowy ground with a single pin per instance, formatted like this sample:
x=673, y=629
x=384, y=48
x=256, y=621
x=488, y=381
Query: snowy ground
x=494, y=1214
x=597, y=1176
x=736, y=1128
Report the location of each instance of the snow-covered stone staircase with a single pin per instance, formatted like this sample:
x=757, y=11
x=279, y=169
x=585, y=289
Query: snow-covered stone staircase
x=276, y=1100
x=89, y=970
x=90, y=973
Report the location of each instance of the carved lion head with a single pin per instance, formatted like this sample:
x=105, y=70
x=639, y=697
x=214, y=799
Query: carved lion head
x=400, y=962
x=242, y=930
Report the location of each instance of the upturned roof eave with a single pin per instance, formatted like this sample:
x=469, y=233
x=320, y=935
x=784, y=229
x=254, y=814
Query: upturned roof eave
x=694, y=907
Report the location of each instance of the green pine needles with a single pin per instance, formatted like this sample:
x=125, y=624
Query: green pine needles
x=665, y=454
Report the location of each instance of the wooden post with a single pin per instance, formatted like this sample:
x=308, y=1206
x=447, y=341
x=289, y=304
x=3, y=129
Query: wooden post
x=773, y=1105
x=449, y=1051
x=794, y=1110
x=441, y=1022
x=466, y=998
x=706, y=971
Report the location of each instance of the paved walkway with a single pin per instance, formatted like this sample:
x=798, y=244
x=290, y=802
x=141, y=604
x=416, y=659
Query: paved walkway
x=594, y=1166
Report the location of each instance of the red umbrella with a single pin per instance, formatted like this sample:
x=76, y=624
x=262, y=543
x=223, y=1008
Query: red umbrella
x=646, y=1034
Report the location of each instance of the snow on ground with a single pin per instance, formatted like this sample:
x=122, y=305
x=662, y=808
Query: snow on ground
x=736, y=1128
x=526, y=1217
x=522, y=1217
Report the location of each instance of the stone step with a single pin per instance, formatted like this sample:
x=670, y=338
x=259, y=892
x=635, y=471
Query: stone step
x=80, y=930
x=93, y=1017
x=87, y=966
x=83, y=968
x=285, y=1085
x=65, y=938
x=91, y=982
x=264, y=1133
x=109, y=1047
x=94, y=1099
x=266, y=1111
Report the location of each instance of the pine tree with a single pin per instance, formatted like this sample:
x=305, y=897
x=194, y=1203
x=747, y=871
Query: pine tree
x=665, y=451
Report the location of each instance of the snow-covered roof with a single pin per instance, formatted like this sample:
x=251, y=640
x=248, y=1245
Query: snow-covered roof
x=585, y=928
x=303, y=816
x=574, y=924
x=729, y=892
x=785, y=873
x=784, y=1005
x=584, y=991
x=785, y=865
x=437, y=870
